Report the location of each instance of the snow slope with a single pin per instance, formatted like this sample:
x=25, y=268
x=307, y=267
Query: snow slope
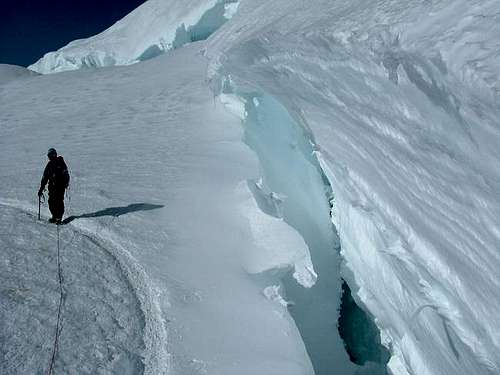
x=135, y=136
x=10, y=72
x=101, y=310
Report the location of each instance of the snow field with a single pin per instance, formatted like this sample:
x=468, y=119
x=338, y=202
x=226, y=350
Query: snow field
x=151, y=133
x=11, y=72
x=101, y=318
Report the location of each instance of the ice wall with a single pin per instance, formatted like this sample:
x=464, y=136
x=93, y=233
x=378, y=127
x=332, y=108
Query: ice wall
x=403, y=121
x=360, y=335
x=153, y=28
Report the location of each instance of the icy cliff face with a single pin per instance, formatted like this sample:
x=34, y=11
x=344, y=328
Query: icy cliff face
x=151, y=29
x=401, y=102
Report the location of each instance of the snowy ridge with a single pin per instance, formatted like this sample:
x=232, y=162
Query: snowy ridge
x=458, y=37
x=156, y=357
x=153, y=28
x=12, y=72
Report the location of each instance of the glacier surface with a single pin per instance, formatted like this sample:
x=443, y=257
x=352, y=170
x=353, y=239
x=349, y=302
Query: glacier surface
x=395, y=107
x=152, y=137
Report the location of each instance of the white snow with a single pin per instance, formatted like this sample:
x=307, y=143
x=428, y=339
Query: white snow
x=153, y=28
x=273, y=293
x=276, y=243
x=146, y=133
x=11, y=72
x=101, y=316
x=391, y=106
x=230, y=9
x=401, y=102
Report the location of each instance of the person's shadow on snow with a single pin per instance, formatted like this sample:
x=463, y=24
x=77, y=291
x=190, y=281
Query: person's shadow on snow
x=115, y=211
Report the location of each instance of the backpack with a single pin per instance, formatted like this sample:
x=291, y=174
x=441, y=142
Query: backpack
x=60, y=175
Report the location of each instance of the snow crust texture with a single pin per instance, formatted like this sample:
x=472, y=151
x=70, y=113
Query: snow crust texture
x=102, y=320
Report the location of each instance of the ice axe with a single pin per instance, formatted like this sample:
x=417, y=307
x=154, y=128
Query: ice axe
x=39, y=204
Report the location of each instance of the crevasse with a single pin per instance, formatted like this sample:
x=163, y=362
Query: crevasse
x=293, y=187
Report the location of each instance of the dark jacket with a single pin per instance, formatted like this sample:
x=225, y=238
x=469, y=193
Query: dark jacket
x=56, y=174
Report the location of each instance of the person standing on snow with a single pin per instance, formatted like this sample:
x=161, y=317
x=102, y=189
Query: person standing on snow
x=57, y=175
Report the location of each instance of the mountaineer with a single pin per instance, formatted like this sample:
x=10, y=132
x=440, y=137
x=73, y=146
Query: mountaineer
x=57, y=175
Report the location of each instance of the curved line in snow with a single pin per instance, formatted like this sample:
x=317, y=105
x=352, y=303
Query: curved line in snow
x=156, y=356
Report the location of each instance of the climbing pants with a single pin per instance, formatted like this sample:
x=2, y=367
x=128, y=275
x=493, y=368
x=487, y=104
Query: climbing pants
x=56, y=203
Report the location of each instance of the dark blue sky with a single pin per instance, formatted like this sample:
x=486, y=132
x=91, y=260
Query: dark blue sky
x=30, y=28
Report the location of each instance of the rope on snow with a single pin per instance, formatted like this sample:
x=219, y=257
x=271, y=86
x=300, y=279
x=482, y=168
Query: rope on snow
x=61, y=290
x=59, y=309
